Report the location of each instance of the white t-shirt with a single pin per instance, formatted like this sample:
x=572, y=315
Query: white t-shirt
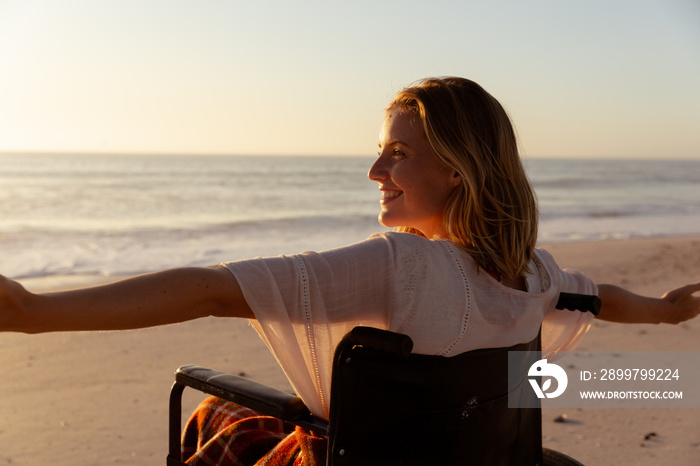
x=429, y=290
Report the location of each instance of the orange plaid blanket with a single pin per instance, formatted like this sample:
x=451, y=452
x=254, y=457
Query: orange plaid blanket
x=224, y=433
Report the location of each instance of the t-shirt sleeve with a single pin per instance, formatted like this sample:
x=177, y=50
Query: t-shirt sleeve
x=563, y=330
x=304, y=304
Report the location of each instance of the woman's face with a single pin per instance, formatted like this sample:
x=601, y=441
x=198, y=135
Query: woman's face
x=414, y=183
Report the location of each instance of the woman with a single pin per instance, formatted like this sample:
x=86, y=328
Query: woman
x=461, y=272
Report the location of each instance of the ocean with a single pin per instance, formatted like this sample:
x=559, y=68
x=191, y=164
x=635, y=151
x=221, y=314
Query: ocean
x=128, y=214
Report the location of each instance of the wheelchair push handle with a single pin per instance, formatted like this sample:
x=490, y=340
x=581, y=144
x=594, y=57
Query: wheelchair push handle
x=579, y=302
x=382, y=340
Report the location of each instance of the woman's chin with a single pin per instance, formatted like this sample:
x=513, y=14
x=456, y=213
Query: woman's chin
x=387, y=221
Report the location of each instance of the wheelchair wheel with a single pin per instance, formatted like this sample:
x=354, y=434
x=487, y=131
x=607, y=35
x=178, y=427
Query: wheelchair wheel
x=555, y=458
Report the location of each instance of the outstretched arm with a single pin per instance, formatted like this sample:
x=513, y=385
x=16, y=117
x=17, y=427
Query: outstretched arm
x=159, y=298
x=620, y=305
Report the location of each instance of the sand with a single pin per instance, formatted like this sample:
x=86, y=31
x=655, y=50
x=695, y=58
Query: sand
x=101, y=397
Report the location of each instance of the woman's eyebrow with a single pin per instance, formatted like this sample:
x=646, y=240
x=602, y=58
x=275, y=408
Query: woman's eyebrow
x=393, y=142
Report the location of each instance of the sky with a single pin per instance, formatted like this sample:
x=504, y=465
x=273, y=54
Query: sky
x=585, y=79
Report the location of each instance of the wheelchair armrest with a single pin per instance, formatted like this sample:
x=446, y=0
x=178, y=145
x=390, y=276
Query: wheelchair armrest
x=266, y=400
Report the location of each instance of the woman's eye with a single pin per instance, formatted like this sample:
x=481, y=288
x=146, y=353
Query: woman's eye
x=395, y=153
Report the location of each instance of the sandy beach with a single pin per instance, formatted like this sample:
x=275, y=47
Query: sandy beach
x=101, y=397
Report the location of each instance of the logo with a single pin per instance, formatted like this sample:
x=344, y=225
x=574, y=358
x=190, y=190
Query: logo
x=544, y=369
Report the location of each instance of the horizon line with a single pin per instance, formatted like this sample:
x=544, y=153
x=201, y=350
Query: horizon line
x=32, y=152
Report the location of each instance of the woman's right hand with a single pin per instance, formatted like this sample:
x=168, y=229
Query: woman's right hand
x=680, y=304
x=675, y=306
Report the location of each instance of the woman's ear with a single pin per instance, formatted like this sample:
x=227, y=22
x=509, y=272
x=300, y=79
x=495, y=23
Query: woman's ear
x=455, y=180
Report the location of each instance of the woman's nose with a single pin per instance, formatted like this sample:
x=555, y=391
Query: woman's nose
x=378, y=171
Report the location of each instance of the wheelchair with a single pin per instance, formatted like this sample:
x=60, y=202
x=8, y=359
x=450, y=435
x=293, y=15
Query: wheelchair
x=392, y=407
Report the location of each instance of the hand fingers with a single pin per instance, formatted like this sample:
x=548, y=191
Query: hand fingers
x=682, y=292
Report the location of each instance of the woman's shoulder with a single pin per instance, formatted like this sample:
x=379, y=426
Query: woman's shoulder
x=397, y=236
x=565, y=279
x=410, y=239
x=414, y=245
x=544, y=261
x=544, y=272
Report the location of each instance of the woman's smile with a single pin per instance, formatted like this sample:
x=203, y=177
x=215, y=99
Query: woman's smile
x=389, y=195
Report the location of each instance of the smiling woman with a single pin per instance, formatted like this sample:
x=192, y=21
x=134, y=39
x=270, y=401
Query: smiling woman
x=483, y=200
x=415, y=184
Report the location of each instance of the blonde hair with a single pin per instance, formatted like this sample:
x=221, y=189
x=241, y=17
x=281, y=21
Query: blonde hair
x=492, y=214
